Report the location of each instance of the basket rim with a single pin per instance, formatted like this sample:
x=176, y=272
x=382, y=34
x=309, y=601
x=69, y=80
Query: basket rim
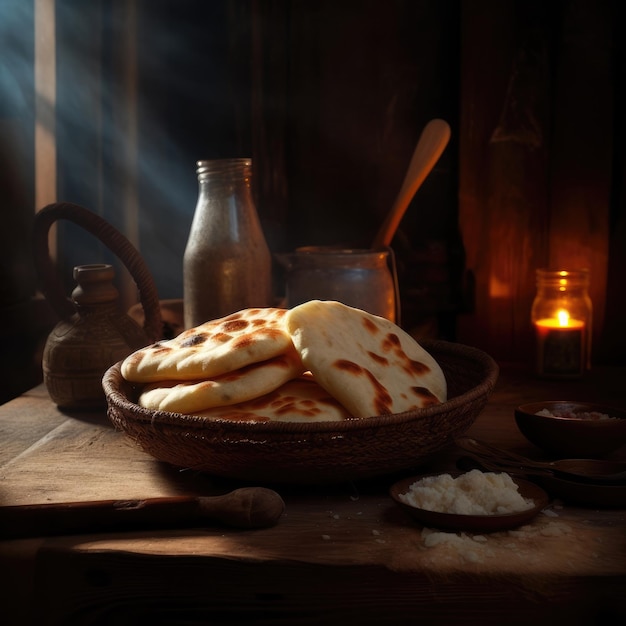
x=139, y=414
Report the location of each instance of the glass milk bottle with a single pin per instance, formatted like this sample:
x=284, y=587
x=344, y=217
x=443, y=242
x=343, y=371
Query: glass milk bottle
x=227, y=263
x=562, y=316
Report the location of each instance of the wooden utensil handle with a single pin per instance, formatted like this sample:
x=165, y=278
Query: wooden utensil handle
x=114, y=240
x=250, y=507
x=431, y=144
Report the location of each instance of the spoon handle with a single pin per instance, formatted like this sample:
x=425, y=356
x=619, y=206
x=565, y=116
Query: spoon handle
x=431, y=144
x=248, y=507
x=570, y=469
x=489, y=452
x=471, y=461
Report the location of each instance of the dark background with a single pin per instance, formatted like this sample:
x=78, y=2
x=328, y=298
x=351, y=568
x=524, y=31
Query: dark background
x=329, y=99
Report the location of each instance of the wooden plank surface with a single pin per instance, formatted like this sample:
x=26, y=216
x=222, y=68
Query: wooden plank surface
x=118, y=588
x=341, y=550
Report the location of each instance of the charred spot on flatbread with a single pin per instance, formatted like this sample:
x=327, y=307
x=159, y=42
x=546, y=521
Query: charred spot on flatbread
x=426, y=396
x=193, y=340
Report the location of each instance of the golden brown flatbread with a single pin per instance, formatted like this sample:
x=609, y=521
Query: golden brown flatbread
x=369, y=364
x=299, y=400
x=212, y=349
x=250, y=381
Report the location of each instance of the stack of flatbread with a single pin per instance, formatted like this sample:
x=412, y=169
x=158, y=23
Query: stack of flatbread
x=320, y=361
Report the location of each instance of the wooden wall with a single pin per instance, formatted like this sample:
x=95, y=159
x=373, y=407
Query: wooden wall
x=540, y=172
x=341, y=93
x=329, y=98
x=532, y=177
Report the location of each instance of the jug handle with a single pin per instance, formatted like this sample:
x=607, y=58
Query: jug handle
x=114, y=240
x=396, y=285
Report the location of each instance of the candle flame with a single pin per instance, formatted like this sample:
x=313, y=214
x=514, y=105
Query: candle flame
x=563, y=317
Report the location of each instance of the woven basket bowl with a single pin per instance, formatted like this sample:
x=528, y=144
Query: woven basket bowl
x=319, y=452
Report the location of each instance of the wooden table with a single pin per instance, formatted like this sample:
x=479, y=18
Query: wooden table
x=340, y=554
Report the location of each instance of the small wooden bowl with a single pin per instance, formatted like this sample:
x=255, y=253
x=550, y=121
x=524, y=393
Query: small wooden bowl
x=319, y=452
x=571, y=437
x=472, y=523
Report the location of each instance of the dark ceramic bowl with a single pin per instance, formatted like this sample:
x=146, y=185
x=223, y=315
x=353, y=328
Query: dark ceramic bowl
x=572, y=436
x=472, y=523
x=587, y=494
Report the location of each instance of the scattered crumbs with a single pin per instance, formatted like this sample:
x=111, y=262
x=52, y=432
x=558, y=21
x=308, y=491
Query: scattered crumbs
x=380, y=541
x=375, y=532
x=359, y=512
x=326, y=537
x=434, y=538
x=335, y=516
x=472, y=557
x=477, y=548
x=354, y=498
x=465, y=545
x=555, y=529
x=550, y=513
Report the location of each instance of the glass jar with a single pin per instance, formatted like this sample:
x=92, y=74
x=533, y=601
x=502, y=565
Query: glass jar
x=365, y=279
x=227, y=263
x=562, y=317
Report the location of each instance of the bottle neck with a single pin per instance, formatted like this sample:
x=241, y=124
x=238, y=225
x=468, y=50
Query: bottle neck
x=562, y=282
x=95, y=286
x=225, y=172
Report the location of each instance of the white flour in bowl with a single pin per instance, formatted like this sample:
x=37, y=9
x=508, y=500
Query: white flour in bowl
x=472, y=493
x=581, y=415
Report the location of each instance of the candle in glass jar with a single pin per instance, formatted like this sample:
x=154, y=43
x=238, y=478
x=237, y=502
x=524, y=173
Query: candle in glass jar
x=560, y=345
x=561, y=315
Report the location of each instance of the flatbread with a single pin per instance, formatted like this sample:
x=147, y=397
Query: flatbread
x=369, y=364
x=213, y=348
x=250, y=381
x=299, y=400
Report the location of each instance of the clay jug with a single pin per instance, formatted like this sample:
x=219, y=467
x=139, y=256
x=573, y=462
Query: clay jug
x=92, y=333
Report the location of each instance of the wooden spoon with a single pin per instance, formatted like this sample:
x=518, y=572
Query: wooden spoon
x=431, y=144
x=596, y=470
x=248, y=507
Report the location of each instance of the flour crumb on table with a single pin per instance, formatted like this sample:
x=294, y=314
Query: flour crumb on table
x=477, y=548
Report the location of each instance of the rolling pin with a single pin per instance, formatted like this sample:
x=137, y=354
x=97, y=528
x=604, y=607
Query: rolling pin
x=248, y=507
